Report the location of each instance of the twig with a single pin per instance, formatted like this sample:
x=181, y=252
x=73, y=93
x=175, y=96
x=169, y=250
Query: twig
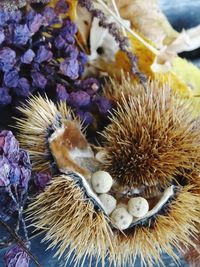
x=117, y=19
x=20, y=242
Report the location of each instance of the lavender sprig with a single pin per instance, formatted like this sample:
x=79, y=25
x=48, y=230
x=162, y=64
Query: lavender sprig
x=119, y=38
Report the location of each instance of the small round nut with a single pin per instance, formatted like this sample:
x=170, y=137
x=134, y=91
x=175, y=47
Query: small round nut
x=101, y=182
x=121, y=205
x=121, y=218
x=138, y=207
x=109, y=202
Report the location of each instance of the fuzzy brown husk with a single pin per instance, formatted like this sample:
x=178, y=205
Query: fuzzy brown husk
x=41, y=119
x=71, y=222
x=151, y=139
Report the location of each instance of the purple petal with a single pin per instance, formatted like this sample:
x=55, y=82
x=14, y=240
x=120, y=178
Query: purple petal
x=43, y=54
x=61, y=92
x=59, y=42
x=15, y=16
x=103, y=104
x=4, y=16
x=25, y=178
x=16, y=257
x=70, y=68
x=11, y=78
x=82, y=58
x=90, y=85
x=71, y=52
x=2, y=36
x=7, y=59
x=86, y=117
x=70, y=29
x=41, y=180
x=38, y=80
x=5, y=98
x=4, y=171
x=79, y=99
x=15, y=173
x=49, y=15
x=28, y=56
x=9, y=146
x=23, y=87
x=35, y=23
x=21, y=34
x=61, y=7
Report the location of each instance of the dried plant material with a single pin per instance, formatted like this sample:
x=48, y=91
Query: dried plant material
x=16, y=4
x=150, y=139
x=71, y=221
x=46, y=126
x=147, y=18
x=74, y=225
x=83, y=22
x=71, y=11
x=167, y=230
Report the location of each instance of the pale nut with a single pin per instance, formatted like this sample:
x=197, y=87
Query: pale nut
x=101, y=182
x=121, y=205
x=121, y=218
x=138, y=207
x=109, y=203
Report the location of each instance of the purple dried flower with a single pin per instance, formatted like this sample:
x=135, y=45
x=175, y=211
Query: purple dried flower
x=61, y=92
x=41, y=180
x=59, y=42
x=49, y=15
x=9, y=146
x=90, y=85
x=5, y=98
x=21, y=34
x=4, y=171
x=103, y=104
x=15, y=16
x=4, y=16
x=23, y=87
x=39, y=80
x=82, y=58
x=15, y=173
x=11, y=78
x=71, y=51
x=28, y=56
x=2, y=36
x=70, y=68
x=24, y=159
x=69, y=29
x=43, y=54
x=7, y=58
x=35, y=23
x=16, y=257
x=86, y=117
x=24, y=178
x=79, y=99
x=61, y=7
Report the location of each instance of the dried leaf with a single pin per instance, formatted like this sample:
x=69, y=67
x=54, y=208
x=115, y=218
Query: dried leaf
x=147, y=18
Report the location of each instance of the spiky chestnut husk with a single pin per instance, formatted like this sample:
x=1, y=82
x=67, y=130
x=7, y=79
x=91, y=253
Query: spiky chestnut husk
x=152, y=138
x=73, y=223
x=49, y=131
x=113, y=89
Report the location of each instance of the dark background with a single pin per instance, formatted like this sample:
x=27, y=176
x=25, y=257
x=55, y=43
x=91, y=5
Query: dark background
x=182, y=14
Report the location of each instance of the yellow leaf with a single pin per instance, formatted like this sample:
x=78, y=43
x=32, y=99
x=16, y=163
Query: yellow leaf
x=188, y=73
